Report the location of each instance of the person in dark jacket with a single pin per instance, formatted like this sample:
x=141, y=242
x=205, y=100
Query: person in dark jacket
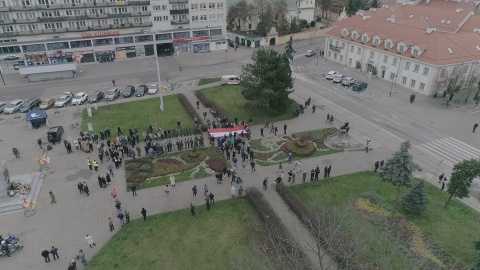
x=46, y=255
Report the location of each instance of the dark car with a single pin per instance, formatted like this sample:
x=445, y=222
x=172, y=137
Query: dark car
x=141, y=90
x=54, y=134
x=359, y=86
x=232, y=44
x=129, y=91
x=96, y=97
x=30, y=104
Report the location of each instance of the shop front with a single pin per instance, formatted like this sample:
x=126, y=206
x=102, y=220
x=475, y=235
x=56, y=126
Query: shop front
x=105, y=56
x=126, y=52
x=80, y=57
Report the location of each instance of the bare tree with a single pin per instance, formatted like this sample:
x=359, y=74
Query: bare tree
x=238, y=13
x=264, y=10
x=471, y=82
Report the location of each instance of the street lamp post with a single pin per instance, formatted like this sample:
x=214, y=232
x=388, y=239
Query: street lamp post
x=318, y=52
x=158, y=76
x=1, y=74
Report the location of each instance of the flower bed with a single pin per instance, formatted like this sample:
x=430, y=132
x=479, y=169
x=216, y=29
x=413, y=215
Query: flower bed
x=299, y=147
x=216, y=165
x=18, y=189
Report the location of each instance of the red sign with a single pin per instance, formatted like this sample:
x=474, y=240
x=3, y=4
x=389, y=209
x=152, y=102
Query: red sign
x=181, y=40
x=101, y=34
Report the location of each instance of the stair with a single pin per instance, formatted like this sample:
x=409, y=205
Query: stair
x=13, y=205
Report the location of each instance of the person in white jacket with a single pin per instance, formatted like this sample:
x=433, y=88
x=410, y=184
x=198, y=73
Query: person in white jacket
x=90, y=240
x=233, y=191
x=172, y=180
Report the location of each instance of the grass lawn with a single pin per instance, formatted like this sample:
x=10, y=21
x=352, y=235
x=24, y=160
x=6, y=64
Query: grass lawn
x=176, y=240
x=140, y=114
x=230, y=100
x=454, y=229
x=204, y=81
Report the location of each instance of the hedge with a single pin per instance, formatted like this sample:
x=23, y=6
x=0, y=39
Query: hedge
x=210, y=104
x=191, y=111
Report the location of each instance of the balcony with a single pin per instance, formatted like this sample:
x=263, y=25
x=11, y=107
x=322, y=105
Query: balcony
x=141, y=13
x=103, y=4
x=138, y=3
x=130, y=25
x=50, y=6
x=77, y=29
x=4, y=8
x=9, y=34
x=94, y=16
x=119, y=15
x=186, y=21
x=335, y=48
x=142, y=24
x=178, y=11
x=51, y=19
x=31, y=7
x=26, y=20
x=7, y=21
x=53, y=30
x=177, y=1
x=76, y=18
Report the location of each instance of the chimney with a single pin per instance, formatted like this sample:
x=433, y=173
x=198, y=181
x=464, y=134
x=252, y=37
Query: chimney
x=391, y=18
x=458, y=10
x=431, y=29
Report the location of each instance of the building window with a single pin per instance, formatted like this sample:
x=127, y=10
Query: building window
x=203, y=18
x=422, y=86
x=219, y=5
x=57, y=46
x=7, y=28
x=194, y=18
x=194, y=7
x=415, y=52
x=181, y=35
x=163, y=36
x=425, y=71
x=341, y=58
x=11, y=49
x=416, y=68
x=365, y=39
x=349, y=61
x=220, y=17
x=343, y=45
x=372, y=54
x=385, y=58
x=216, y=32
x=203, y=6
x=157, y=18
x=359, y=50
x=123, y=40
x=375, y=41
x=401, y=48
x=352, y=48
x=144, y=38
x=404, y=80
x=164, y=7
x=412, y=83
x=395, y=61
x=392, y=76
x=201, y=33
x=354, y=36
x=211, y=5
x=407, y=65
x=388, y=45
x=443, y=73
x=157, y=8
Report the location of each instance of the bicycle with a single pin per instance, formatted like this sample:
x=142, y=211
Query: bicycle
x=74, y=126
x=77, y=113
x=28, y=207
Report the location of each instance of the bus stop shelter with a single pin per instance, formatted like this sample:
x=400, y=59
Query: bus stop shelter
x=39, y=73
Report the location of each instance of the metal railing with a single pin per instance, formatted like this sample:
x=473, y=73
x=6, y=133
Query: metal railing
x=180, y=21
x=177, y=1
x=26, y=20
x=77, y=29
x=179, y=11
x=100, y=27
x=51, y=19
x=7, y=21
x=119, y=15
x=141, y=13
x=101, y=15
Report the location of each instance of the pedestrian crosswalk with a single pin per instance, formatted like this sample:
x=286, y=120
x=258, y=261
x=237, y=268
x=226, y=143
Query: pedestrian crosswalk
x=299, y=69
x=450, y=150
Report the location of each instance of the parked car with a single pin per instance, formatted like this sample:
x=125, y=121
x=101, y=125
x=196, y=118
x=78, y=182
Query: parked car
x=96, y=97
x=3, y=105
x=331, y=74
x=112, y=94
x=129, y=91
x=153, y=88
x=63, y=100
x=310, y=53
x=29, y=104
x=230, y=79
x=347, y=81
x=54, y=134
x=47, y=103
x=141, y=90
x=13, y=106
x=359, y=86
x=79, y=98
x=338, y=78
x=231, y=44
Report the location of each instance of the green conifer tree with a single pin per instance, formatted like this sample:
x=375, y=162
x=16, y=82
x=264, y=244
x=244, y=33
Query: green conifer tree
x=416, y=201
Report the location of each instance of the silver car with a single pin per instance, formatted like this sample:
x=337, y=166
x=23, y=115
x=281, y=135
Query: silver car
x=112, y=94
x=63, y=100
x=338, y=78
x=331, y=74
x=348, y=81
x=13, y=106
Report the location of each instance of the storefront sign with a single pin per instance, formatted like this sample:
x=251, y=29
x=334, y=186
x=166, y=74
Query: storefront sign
x=182, y=40
x=101, y=34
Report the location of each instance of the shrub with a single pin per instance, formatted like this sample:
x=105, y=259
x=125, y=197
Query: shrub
x=210, y=104
x=216, y=164
x=191, y=111
x=416, y=201
x=279, y=234
x=299, y=148
x=193, y=156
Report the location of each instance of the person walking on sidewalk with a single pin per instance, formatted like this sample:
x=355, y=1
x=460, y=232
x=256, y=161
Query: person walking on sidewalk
x=205, y=190
x=53, y=197
x=198, y=104
x=329, y=169
x=192, y=208
x=121, y=216
x=46, y=255
x=127, y=216
x=252, y=163
x=377, y=165
x=475, y=127
x=233, y=191
x=113, y=82
x=313, y=108
x=89, y=163
x=90, y=241
x=85, y=189
x=54, y=252
x=328, y=118
x=144, y=214
x=81, y=255
x=304, y=174
x=39, y=141
x=172, y=180
x=285, y=128
x=194, y=190
x=134, y=189
x=440, y=178
x=110, y=169
x=110, y=224
x=444, y=182
x=95, y=165
x=16, y=152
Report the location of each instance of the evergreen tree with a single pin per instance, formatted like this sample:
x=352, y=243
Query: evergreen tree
x=416, y=201
x=293, y=26
x=289, y=51
x=462, y=176
x=399, y=170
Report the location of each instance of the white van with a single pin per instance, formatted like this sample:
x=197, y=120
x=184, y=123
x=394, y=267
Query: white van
x=230, y=79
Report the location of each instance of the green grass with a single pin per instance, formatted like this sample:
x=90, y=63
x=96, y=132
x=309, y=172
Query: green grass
x=454, y=229
x=176, y=240
x=140, y=114
x=204, y=81
x=257, y=145
x=164, y=180
x=230, y=100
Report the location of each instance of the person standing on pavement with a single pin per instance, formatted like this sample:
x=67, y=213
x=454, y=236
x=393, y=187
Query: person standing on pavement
x=134, y=189
x=285, y=128
x=304, y=174
x=317, y=172
x=290, y=158
x=172, y=180
x=167, y=189
x=377, y=165
x=240, y=192
x=198, y=104
x=127, y=216
x=192, y=208
x=475, y=127
x=233, y=191
x=110, y=169
x=261, y=131
x=205, y=190
x=85, y=189
x=444, y=182
x=81, y=255
x=16, y=152
x=313, y=108
x=144, y=214
x=252, y=164
x=52, y=196
x=440, y=178
x=95, y=165
x=312, y=174
x=108, y=179
x=110, y=224
x=46, y=255
x=194, y=190
x=329, y=169
x=328, y=118
x=80, y=187
x=113, y=82
x=121, y=216
x=39, y=141
x=89, y=163
x=54, y=252
x=325, y=171
x=367, y=147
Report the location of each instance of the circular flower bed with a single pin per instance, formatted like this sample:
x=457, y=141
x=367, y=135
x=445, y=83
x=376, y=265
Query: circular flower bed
x=299, y=147
x=19, y=189
x=216, y=165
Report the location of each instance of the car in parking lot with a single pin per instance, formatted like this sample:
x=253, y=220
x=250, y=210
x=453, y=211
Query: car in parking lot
x=141, y=90
x=13, y=106
x=331, y=74
x=153, y=88
x=112, y=94
x=46, y=103
x=3, y=105
x=29, y=104
x=129, y=91
x=347, y=81
x=79, y=98
x=96, y=97
x=338, y=78
x=310, y=53
x=63, y=100
x=359, y=86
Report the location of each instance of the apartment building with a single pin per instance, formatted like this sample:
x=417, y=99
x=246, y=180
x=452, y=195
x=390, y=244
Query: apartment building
x=39, y=32
x=418, y=46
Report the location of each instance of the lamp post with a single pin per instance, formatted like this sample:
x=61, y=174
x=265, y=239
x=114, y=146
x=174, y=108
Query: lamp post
x=393, y=81
x=158, y=76
x=1, y=74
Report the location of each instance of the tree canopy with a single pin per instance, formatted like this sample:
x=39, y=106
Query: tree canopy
x=267, y=82
x=462, y=177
